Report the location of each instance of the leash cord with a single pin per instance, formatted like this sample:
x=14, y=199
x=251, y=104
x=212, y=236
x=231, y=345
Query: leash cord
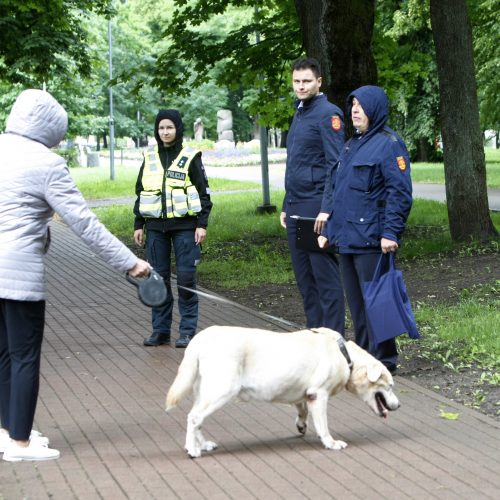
x=235, y=304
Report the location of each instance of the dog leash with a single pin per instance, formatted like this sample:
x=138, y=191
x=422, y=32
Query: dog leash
x=223, y=300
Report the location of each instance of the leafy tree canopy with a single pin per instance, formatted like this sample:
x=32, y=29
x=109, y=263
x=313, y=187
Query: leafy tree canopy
x=240, y=44
x=406, y=61
x=40, y=38
x=405, y=57
x=204, y=55
x=486, y=39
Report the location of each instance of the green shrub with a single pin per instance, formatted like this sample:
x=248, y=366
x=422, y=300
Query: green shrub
x=70, y=155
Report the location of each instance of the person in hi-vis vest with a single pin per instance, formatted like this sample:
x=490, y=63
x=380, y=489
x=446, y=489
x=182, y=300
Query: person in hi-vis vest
x=171, y=213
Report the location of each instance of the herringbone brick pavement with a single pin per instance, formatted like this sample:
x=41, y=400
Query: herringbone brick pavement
x=102, y=405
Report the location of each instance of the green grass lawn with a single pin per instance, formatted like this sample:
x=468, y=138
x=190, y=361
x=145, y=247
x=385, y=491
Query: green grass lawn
x=434, y=172
x=94, y=183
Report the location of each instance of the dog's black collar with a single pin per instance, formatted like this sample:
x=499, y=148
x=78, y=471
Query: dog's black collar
x=343, y=350
x=341, y=344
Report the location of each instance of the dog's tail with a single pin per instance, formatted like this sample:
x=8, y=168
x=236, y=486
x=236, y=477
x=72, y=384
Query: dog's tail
x=186, y=376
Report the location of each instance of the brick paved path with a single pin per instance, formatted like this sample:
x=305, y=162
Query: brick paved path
x=102, y=404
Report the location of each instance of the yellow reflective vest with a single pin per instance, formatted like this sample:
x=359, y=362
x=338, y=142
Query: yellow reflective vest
x=181, y=197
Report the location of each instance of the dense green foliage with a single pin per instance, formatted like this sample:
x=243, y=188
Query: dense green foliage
x=238, y=44
x=405, y=57
x=486, y=36
x=40, y=38
x=403, y=48
x=201, y=56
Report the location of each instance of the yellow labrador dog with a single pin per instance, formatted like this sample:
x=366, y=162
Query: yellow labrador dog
x=303, y=368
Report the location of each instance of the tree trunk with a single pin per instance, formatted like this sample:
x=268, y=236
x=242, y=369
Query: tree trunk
x=464, y=162
x=422, y=152
x=284, y=135
x=339, y=34
x=426, y=152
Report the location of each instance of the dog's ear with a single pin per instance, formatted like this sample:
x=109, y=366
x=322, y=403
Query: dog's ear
x=374, y=371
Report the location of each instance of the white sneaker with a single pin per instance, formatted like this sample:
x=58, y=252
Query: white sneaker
x=34, y=451
x=35, y=437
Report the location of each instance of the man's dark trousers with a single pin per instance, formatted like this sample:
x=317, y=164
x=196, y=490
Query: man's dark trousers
x=318, y=279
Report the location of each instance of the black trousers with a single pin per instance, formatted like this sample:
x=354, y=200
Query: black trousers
x=318, y=279
x=21, y=334
x=356, y=269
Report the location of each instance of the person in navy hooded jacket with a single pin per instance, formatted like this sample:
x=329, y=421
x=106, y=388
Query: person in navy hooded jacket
x=314, y=142
x=372, y=198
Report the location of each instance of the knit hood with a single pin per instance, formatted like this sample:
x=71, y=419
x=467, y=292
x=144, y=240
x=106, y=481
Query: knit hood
x=175, y=117
x=375, y=104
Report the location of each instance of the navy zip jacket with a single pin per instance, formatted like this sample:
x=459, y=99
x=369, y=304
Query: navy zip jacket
x=314, y=142
x=372, y=196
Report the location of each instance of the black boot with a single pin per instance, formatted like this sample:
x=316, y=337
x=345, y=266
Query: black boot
x=183, y=341
x=157, y=339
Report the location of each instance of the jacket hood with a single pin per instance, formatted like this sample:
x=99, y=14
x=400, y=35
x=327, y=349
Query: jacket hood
x=38, y=116
x=175, y=117
x=375, y=104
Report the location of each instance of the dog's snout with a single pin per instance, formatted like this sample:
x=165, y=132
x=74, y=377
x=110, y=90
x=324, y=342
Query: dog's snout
x=386, y=401
x=395, y=404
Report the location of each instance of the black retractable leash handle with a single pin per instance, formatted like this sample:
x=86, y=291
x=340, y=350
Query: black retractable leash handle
x=151, y=290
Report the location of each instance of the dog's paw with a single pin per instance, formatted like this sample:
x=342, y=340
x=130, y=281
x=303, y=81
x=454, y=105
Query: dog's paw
x=301, y=426
x=209, y=446
x=332, y=444
x=194, y=453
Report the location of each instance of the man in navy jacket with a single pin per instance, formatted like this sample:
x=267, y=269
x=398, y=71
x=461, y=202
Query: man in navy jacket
x=314, y=142
x=372, y=198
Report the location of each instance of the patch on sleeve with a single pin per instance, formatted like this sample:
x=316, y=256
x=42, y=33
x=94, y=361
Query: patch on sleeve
x=401, y=163
x=336, y=123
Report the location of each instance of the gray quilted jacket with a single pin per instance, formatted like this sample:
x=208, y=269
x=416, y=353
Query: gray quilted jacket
x=35, y=183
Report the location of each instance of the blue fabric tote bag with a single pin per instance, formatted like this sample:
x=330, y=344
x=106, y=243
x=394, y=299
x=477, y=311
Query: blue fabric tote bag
x=387, y=304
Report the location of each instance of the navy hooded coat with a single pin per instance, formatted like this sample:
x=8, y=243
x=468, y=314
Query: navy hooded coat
x=372, y=196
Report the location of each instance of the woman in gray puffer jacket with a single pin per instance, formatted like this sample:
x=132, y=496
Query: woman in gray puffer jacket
x=35, y=183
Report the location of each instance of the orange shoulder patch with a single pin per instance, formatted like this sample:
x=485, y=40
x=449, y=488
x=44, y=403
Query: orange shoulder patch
x=336, y=123
x=401, y=163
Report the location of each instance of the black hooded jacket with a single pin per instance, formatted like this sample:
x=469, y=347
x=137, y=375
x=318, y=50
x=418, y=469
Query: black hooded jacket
x=196, y=174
